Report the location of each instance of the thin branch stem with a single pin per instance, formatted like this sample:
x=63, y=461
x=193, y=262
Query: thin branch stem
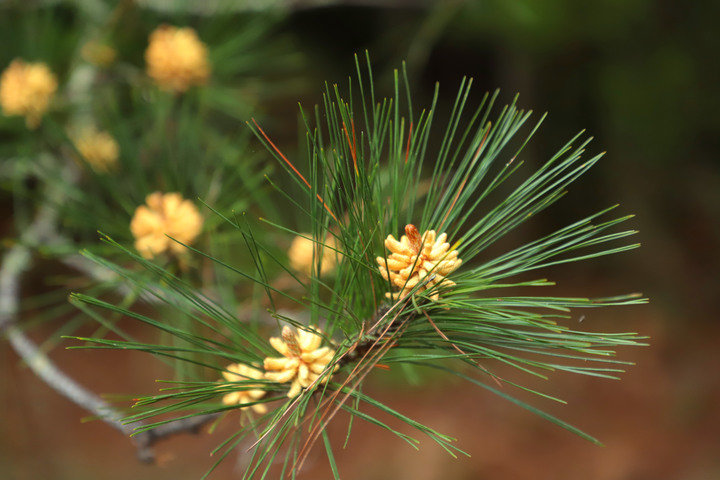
x=18, y=259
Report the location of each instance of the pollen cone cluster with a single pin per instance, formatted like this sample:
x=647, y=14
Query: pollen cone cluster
x=26, y=89
x=303, y=254
x=176, y=58
x=303, y=359
x=415, y=257
x=238, y=372
x=165, y=215
x=98, y=149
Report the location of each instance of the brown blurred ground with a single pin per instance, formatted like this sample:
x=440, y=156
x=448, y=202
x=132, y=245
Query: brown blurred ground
x=660, y=422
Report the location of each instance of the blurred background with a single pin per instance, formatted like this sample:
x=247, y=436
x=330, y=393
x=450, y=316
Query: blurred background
x=641, y=76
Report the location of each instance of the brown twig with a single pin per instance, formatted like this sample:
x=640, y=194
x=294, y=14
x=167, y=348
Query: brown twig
x=145, y=440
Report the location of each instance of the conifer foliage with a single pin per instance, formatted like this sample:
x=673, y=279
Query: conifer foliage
x=397, y=212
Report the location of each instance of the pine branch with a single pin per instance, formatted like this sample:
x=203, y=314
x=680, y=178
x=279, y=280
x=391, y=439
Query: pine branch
x=370, y=175
x=42, y=232
x=212, y=7
x=147, y=438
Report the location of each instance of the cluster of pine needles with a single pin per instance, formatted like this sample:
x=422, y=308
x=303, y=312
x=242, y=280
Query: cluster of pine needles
x=371, y=168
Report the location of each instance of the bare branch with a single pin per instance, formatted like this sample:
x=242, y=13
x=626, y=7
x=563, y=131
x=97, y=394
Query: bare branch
x=15, y=262
x=145, y=440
